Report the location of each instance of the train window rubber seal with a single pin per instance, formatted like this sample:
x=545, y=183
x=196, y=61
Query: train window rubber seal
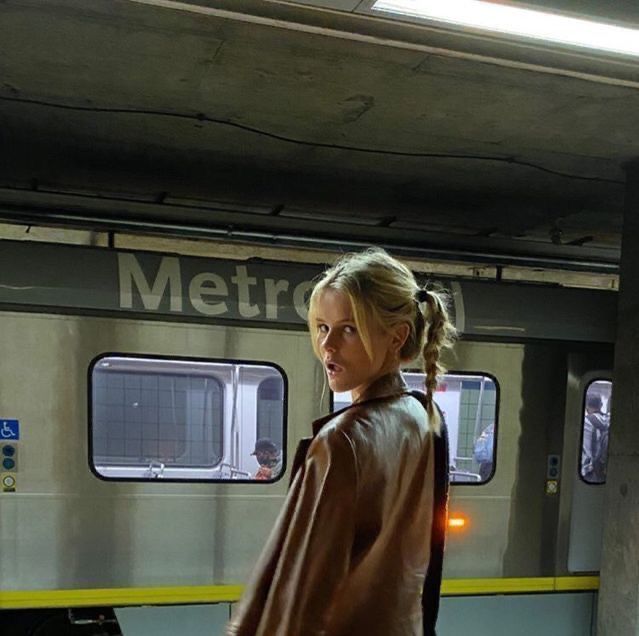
x=197, y=360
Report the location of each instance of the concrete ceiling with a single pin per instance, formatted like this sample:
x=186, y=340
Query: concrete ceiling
x=272, y=117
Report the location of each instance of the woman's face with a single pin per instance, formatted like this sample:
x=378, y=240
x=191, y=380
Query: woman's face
x=345, y=360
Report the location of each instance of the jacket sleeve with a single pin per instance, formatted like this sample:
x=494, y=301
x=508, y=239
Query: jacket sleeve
x=316, y=547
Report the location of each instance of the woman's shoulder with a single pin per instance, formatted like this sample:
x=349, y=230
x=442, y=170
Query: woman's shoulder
x=351, y=420
x=334, y=443
x=343, y=424
x=338, y=422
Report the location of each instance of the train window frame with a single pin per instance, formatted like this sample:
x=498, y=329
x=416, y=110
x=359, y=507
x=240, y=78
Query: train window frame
x=471, y=374
x=587, y=385
x=186, y=474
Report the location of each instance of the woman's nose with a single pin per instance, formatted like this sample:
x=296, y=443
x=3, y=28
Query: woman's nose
x=328, y=343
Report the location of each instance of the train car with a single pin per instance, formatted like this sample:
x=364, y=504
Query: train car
x=136, y=388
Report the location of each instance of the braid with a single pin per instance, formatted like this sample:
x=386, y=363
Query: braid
x=440, y=334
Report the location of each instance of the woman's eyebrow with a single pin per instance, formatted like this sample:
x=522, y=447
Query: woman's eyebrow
x=337, y=322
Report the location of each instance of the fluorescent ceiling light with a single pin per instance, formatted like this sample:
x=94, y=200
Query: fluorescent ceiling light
x=513, y=20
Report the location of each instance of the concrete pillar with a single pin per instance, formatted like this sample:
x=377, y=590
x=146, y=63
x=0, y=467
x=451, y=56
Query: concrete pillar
x=618, y=609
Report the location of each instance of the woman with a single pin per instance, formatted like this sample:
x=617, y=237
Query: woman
x=364, y=519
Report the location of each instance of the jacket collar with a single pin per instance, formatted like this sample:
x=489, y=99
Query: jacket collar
x=388, y=385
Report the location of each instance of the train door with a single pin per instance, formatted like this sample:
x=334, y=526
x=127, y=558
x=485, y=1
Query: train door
x=588, y=406
x=587, y=511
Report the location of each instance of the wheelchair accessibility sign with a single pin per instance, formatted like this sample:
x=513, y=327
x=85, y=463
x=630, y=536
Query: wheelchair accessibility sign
x=9, y=429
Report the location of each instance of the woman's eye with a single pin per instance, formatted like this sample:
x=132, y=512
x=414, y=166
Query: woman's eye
x=350, y=329
x=322, y=328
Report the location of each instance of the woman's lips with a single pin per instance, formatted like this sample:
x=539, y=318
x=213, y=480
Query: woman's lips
x=332, y=369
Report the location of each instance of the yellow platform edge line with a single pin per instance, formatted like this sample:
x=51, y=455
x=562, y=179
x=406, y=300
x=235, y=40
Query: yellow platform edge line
x=116, y=597
x=576, y=583
x=458, y=587
x=110, y=597
x=455, y=587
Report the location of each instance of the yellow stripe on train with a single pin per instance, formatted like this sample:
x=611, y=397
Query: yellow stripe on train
x=471, y=587
x=110, y=597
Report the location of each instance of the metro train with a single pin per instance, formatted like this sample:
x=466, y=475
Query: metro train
x=135, y=385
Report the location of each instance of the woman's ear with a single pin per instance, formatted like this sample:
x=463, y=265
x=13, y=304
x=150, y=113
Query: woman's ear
x=400, y=336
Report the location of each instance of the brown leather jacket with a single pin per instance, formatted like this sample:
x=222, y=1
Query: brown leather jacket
x=351, y=547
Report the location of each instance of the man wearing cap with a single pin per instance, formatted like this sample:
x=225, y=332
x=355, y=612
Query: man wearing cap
x=269, y=458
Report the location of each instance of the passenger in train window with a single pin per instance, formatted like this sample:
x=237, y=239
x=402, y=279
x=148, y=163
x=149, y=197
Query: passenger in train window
x=358, y=546
x=269, y=458
x=594, y=456
x=483, y=450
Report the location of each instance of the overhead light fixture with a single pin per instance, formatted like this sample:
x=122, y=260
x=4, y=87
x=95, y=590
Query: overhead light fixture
x=501, y=18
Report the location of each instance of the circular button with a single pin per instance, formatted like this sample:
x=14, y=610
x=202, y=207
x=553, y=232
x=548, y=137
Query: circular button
x=8, y=481
x=8, y=463
x=8, y=450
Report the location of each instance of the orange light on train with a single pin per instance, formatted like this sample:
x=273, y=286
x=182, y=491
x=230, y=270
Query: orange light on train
x=456, y=522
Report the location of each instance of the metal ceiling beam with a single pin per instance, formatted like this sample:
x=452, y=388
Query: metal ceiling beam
x=120, y=215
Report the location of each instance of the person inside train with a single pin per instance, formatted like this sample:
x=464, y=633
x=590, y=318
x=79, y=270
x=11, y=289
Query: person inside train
x=269, y=458
x=483, y=452
x=358, y=545
x=594, y=452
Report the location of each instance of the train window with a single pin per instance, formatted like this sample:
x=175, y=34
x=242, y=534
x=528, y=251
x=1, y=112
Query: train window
x=270, y=402
x=595, y=429
x=470, y=404
x=186, y=419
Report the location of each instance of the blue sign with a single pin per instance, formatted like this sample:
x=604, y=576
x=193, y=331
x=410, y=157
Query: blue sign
x=9, y=429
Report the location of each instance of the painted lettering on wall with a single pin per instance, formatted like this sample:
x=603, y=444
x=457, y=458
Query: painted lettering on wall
x=232, y=291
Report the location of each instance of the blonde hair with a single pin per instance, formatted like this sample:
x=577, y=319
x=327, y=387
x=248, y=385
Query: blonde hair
x=384, y=292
